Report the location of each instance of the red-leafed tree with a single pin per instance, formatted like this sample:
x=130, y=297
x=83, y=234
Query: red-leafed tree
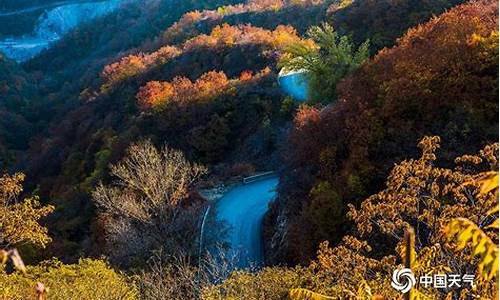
x=440, y=79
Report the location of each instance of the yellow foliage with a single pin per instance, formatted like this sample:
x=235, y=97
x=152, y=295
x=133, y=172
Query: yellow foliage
x=304, y=294
x=89, y=279
x=272, y=283
x=489, y=183
x=466, y=232
x=414, y=193
x=19, y=219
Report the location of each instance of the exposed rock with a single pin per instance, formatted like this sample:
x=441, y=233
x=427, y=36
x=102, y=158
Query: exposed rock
x=52, y=25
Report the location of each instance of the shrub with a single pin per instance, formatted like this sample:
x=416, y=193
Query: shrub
x=150, y=195
x=19, y=220
x=87, y=280
x=270, y=283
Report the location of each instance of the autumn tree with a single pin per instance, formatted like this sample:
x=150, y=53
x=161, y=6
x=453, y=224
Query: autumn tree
x=19, y=224
x=127, y=67
x=226, y=35
x=332, y=59
x=19, y=219
x=392, y=101
x=382, y=21
x=426, y=197
x=149, y=196
x=154, y=94
x=210, y=84
x=186, y=26
x=467, y=234
x=416, y=190
x=182, y=91
x=55, y=280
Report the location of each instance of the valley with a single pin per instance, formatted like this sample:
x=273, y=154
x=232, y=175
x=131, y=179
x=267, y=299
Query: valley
x=137, y=139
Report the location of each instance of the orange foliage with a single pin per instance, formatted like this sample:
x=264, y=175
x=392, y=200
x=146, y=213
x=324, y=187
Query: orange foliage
x=306, y=135
x=189, y=19
x=227, y=35
x=246, y=75
x=421, y=85
x=200, y=41
x=210, y=84
x=162, y=55
x=306, y=116
x=221, y=36
x=127, y=66
x=133, y=65
x=415, y=190
x=182, y=90
x=262, y=5
x=154, y=94
x=284, y=36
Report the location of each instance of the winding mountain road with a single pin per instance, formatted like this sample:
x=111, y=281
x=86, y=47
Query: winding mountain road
x=242, y=209
x=294, y=84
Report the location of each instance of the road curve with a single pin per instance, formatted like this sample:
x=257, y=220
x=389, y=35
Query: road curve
x=242, y=209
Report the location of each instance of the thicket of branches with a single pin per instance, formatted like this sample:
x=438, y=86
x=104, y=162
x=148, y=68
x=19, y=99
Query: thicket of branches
x=146, y=208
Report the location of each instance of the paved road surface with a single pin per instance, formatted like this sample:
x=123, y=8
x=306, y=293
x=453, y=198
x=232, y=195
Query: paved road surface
x=243, y=209
x=295, y=84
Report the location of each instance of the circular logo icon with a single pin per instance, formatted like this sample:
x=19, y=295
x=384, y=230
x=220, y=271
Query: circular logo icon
x=403, y=280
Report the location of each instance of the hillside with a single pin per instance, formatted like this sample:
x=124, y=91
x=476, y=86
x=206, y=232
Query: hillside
x=130, y=127
x=17, y=93
x=128, y=123
x=401, y=95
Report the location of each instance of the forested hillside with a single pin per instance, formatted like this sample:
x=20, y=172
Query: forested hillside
x=343, y=153
x=112, y=138
x=18, y=92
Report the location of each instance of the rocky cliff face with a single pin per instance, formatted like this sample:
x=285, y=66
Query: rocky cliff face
x=52, y=25
x=58, y=21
